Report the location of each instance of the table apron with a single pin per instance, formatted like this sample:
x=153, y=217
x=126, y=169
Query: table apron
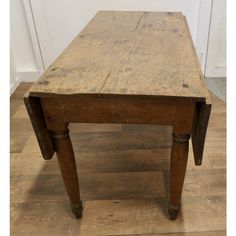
x=118, y=111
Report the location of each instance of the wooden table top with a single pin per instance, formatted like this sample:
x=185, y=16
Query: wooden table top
x=127, y=53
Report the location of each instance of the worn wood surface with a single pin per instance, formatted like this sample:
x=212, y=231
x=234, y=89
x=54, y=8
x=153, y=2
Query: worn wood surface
x=127, y=53
x=135, y=157
x=200, y=123
x=118, y=111
x=67, y=164
x=178, y=164
x=36, y=116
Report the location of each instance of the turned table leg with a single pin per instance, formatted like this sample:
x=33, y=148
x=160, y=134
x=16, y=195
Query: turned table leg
x=178, y=163
x=66, y=160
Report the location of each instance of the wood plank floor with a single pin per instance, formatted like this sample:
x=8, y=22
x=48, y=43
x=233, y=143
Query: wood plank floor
x=123, y=172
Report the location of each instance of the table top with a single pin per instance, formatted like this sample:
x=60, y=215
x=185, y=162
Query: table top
x=127, y=53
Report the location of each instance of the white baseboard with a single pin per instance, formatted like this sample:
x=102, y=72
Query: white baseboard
x=24, y=76
x=29, y=76
x=14, y=85
x=215, y=72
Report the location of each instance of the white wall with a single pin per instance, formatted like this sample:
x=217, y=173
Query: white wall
x=216, y=58
x=26, y=62
x=58, y=22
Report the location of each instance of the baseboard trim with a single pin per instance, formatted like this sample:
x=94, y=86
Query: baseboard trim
x=24, y=76
x=215, y=72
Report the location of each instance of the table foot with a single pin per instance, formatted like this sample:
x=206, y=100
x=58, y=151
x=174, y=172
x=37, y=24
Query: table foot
x=77, y=210
x=173, y=212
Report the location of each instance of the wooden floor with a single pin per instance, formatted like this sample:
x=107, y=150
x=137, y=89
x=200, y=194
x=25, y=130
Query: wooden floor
x=123, y=173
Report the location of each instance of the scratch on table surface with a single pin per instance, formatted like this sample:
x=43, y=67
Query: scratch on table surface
x=108, y=75
x=138, y=23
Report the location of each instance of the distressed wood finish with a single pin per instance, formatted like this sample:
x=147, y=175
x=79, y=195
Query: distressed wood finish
x=137, y=53
x=201, y=118
x=178, y=163
x=124, y=68
x=66, y=160
x=124, y=110
x=44, y=137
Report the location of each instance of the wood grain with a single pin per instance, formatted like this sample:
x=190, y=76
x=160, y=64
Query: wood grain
x=148, y=216
x=127, y=53
x=43, y=136
x=201, y=118
x=123, y=185
x=43, y=218
x=125, y=110
x=203, y=233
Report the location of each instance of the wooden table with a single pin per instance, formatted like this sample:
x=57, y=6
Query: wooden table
x=124, y=68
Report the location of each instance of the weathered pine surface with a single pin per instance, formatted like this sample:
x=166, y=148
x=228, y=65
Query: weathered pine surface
x=127, y=53
x=123, y=172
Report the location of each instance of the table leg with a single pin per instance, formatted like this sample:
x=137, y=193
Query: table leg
x=178, y=163
x=66, y=160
